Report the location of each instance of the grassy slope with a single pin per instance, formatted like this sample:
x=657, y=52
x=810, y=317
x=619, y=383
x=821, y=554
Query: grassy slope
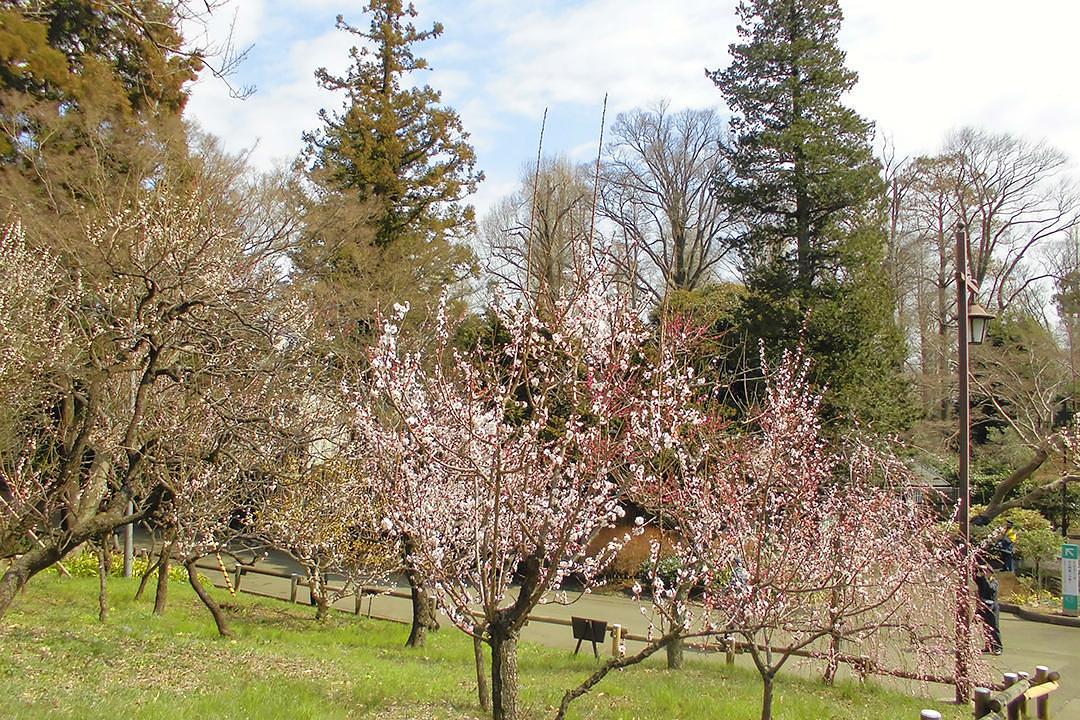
x=57, y=661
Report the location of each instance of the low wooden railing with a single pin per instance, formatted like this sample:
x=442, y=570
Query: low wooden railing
x=1010, y=701
x=725, y=644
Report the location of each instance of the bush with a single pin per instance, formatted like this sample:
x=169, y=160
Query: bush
x=1029, y=593
x=85, y=564
x=667, y=569
x=1032, y=531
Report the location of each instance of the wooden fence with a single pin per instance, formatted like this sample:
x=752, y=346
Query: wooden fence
x=1011, y=700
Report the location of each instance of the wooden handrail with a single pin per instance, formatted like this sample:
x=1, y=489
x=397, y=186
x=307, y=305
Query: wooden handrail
x=1034, y=693
x=1011, y=700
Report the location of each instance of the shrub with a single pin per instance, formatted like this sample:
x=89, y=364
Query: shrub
x=1028, y=592
x=667, y=569
x=85, y=564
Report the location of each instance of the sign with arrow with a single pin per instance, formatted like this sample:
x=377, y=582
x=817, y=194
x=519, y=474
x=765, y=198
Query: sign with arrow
x=1070, y=578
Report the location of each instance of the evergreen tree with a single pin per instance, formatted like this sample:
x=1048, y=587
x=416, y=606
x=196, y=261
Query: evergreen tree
x=89, y=56
x=389, y=175
x=383, y=208
x=805, y=185
x=91, y=96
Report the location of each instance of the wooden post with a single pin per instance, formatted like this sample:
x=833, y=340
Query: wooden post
x=1021, y=702
x=238, y=572
x=982, y=702
x=1042, y=705
x=929, y=715
x=294, y=579
x=1012, y=710
x=729, y=651
x=129, y=542
x=1008, y=680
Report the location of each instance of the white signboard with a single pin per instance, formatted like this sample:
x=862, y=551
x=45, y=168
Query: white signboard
x=1070, y=577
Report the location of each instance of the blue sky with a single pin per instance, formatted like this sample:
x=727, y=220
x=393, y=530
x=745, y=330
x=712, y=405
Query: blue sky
x=926, y=67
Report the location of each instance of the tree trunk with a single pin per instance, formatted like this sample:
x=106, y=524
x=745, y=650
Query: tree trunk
x=674, y=648
x=162, y=595
x=481, y=676
x=47, y=555
x=317, y=590
x=766, y=696
x=145, y=579
x=675, y=654
x=423, y=613
x=942, y=314
x=423, y=604
x=504, y=680
x=832, y=664
x=211, y=605
x=22, y=569
x=103, y=580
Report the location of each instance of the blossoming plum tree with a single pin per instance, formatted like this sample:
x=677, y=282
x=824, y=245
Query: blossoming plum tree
x=166, y=309
x=323, y=517
x=498, y=463
x=809, y=542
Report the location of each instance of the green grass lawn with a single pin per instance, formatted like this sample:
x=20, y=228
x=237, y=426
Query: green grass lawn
x=58, y=661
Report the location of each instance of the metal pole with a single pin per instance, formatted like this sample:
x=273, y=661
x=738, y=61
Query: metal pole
x=129, y=542
x=963, y=612
x=129, y=529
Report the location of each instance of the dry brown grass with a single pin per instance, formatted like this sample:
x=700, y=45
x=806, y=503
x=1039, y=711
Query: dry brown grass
x=633, y=555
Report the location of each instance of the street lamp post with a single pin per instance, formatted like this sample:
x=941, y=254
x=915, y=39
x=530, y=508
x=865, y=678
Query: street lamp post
x=972, y=321
x=963, y=612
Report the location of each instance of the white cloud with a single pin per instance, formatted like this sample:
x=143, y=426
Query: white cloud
x=273, y=119
x=925, y=66
x=635, y=50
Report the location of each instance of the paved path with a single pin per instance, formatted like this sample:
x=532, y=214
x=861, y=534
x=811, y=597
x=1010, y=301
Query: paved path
x=1027, y=644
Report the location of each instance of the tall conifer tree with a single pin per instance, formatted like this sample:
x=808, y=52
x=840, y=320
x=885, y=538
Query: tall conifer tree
x=391, y=172
x=386, y=219
x=805, y=184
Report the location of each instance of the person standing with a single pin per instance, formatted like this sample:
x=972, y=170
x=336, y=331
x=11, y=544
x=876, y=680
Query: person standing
x=989, y=610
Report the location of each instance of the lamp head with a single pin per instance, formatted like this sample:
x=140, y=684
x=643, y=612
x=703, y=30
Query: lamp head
x=978, y=323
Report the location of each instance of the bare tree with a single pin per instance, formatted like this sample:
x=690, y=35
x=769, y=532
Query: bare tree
x=1016, y=197
x=1019, y=202
x=1024, y=381
x=163, y=315
x=926, y=213
x=657, y=190
x=534, y=236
